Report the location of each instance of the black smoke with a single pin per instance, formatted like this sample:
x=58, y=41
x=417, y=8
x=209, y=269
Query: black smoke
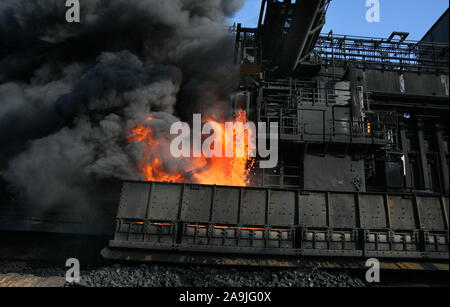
x=71, y=92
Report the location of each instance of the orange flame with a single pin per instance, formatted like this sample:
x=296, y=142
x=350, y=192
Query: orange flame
x=216, y=170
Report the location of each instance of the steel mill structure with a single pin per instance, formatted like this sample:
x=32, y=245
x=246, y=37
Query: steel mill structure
x=362, y=171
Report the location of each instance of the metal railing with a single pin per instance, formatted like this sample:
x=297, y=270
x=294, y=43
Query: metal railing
x=329, y=126
x=380, y=53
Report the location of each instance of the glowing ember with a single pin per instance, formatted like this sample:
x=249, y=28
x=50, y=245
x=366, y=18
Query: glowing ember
x=141, y=134
x=215, y=170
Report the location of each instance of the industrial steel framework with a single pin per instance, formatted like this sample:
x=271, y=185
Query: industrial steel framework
x=363, y=159
x=393, y=53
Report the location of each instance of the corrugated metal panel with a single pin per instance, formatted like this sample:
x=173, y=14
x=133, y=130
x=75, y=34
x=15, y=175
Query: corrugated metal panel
x=402, y=213
x=134, y=200
x=430, y=212
x=225, y=206
x=313, y=210
x=164, y=202
x=196, y=203
x=372, y=212
x=342, y=211
x=253, y=209
x=281, y=208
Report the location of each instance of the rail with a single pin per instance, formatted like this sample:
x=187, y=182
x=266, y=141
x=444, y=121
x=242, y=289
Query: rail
x=307, y=112
x=339, y=50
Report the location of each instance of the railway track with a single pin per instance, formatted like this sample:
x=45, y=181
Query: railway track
x=30, y=266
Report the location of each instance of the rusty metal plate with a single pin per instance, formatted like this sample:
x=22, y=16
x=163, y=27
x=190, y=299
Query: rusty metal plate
x=164, y=201
x=342, y=211
x=401, y=210
x=133, y=200
x=225, y=206
x=27, y=281
x=281, y=208
x=372, y=212
x=196, y=203
x=253, y=208
x=430, y=211
x=313, y=210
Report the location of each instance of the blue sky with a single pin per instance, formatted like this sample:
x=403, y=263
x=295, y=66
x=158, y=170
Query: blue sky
x=348, y=17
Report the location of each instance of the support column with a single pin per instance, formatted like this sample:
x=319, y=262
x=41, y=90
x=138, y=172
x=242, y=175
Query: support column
x=406, y=147
x=304, y=16
x=442, y=158
x=423, y=156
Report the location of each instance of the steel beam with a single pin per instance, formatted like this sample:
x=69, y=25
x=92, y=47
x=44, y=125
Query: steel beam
x=406, y=147
x=305, y=14
x=442, y=159
x=423, y=157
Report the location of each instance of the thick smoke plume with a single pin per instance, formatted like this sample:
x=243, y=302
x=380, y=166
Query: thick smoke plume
x=70, y=93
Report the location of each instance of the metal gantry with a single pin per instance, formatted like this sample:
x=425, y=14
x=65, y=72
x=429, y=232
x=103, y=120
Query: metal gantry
x=379, y=53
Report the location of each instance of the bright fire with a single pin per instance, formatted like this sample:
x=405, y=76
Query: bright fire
x=217, y=171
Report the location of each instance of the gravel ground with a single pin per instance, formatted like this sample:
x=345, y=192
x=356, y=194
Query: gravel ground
x=195, y=276
x=39, y=269
x=153, y=275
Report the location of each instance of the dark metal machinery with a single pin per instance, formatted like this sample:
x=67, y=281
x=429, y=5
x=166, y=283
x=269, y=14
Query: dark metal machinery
x=363, y=114
x=363, y=157
x=363, y=160
x=279, y=222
